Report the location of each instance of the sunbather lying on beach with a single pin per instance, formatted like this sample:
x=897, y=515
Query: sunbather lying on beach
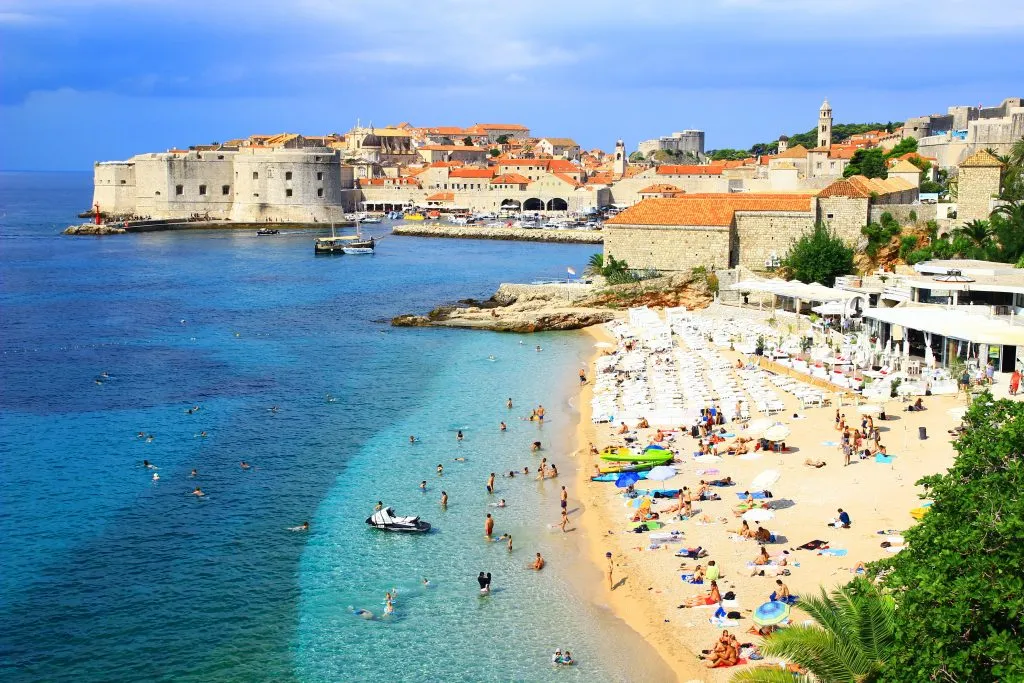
x=712, y=597
x=721, y=482
x=814, y=463
x=744, y=531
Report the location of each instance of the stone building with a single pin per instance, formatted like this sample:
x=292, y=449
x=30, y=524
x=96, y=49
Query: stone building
x=977, y=186
x=691, y=141
x=564, y=148
x=961, y=131
x=250, y=183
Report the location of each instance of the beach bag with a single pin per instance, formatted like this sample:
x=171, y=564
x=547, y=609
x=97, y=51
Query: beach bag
x=729, y=596
x=734, y=615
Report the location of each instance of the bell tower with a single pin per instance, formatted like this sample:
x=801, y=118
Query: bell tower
x=621, y=161
x=825, y=125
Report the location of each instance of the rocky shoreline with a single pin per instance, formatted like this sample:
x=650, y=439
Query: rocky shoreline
x=539, y=308
x=93, y=229
x=483, y=233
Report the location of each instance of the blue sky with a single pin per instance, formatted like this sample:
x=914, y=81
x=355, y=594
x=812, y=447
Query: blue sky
x=86, y=81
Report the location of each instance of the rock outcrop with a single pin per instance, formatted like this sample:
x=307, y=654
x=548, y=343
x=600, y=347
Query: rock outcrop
x=93, y=229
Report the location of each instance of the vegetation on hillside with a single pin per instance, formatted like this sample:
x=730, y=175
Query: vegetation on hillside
x=809, y=139
x=614, y=271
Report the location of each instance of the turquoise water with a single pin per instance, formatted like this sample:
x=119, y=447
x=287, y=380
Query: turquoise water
x=110, y=575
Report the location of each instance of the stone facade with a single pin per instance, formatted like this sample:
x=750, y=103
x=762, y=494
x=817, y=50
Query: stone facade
x=668, y=249
x=977, y=186
x=845, y=216
x=763, y=236
x=691, y=141
x=244, y=184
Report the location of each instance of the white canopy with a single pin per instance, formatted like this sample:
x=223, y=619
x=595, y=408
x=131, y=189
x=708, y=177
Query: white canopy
x=977, y=328
x=794, y=289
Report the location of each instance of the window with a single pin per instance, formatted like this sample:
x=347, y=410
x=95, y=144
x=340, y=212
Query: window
x=255, y=194
x=287, y=175
x=823, y=128
x=288, y=192
x=123, y=182
x=179, y=189
x=225, y=189
x=202, y=189
x=255, y=175
x=319, y=192
x=829, y=215
x=320, y=175
x=158, y=193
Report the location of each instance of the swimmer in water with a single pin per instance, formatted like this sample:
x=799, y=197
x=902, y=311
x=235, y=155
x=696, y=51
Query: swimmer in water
x=140, y=435
x=503, y=427
x=500, y=503
x=426, y=582
x=361, y=613
x=156, y=477
x=198, y=492
x=491, y=358
x=272, y=409
x=444, y=500
x=423, y=486
x=330, y=399
x=510, y=542
x=302, y=527
x=412, y=439
x=98, y=381
x=379, y=506
x=538, y=347
x=244, y=465
x=459, y=459
x=459, y=437
x=202, y=435
x=149, y=439
x=508, y=404
x=104, y=375
x=535, y=446
x=148, y=465
x=440, y=469
x=537, y=564
x=195, y=473
x=189, y=411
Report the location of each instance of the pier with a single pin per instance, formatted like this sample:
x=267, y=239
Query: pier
x=484, y=233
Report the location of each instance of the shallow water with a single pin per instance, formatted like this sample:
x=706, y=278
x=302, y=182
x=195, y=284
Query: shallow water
x=110, y=575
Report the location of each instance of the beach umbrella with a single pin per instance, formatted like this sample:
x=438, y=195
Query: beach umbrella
x=758, y=515
x=661, y=473
x=604, y=345
x=627, y=479
x=869, y=409
x=776, y=432
x=759, y=425
x=771, y=613
x=765, y=480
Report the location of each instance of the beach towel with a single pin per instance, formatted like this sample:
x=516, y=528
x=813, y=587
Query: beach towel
x=756, y=495
x=688, y=578
x=721, y=484
x=830, y=444
x=722, y=665
x=813, y=545
x=883, y=458
x=711, y=471
x=834, y=552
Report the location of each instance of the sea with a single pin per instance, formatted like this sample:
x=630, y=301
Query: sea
x=114, y=571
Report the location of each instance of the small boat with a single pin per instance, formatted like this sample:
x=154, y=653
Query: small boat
x=267, y=231
x=371, y=219
x=387, y=520
x=626, y=455
x=359, y=247
x=415, y=217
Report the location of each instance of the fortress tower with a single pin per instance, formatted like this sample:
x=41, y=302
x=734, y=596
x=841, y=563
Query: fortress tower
x=825, y=125
x=619, y=167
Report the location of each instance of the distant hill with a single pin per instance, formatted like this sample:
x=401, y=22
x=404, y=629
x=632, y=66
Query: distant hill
x=809, y=139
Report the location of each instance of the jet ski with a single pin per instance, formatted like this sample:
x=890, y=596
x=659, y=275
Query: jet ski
x=387, y=520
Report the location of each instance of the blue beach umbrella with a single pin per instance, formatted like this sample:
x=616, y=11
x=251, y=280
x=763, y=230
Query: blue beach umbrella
x=771, y=613
x=627, y=479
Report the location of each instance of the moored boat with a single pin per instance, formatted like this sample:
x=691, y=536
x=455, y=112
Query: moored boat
x=415, y=217
x=267, y=231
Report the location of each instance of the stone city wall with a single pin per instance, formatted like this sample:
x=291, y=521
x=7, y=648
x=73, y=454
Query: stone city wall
x=668, y=249
x=901, y=212
x=114, y=187
x=763, y=234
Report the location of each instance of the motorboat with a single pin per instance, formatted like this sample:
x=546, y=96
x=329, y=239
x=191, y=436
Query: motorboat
x=267, y=231
x=387, y=520
x=415, y=217
x=371, y=219
x=359, y=247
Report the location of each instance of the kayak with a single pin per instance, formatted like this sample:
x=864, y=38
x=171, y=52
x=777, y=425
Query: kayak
x=626, y=455
x=612, y=476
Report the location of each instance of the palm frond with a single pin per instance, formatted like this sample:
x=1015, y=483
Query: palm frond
x=768, y=674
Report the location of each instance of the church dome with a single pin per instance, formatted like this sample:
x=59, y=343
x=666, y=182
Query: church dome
x=783, y=138
x=371, y=140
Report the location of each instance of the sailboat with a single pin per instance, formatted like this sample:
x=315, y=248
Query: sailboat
x=359, y=245
x=335, y=244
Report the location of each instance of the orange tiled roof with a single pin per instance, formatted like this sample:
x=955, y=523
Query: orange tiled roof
x=689, y=170
x=561, y=142
x=798, y=152
x=981, y=159
x=659, y=188
x=446, y=164
x=510, y=179
x=903, y=166
x=562, y=166
x=442, y=197
x=844, y=187
x=281, y=138
x=444, y=130
x=914, y=155
x=842, y=152
x=634, y=171
x=603, y=178
x=707, y=210
x=500, y=126
x=471, y=172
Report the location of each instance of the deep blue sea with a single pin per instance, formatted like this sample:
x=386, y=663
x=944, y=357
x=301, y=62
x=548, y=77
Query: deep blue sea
x=110, y=575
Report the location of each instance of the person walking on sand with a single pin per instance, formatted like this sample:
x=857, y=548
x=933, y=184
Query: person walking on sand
x=564, y=499
x=583, y=376
x=565, y=520
x=488, y=526
x=609, y=572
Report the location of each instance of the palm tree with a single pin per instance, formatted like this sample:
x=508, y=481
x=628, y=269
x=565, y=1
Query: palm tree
x=852, y=637
x=977, y=231
x=595, y=264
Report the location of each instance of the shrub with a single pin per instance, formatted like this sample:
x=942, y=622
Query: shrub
x=819, y=256
x=908, y=243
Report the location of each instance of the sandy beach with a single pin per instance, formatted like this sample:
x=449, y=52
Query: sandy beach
x=878, y=496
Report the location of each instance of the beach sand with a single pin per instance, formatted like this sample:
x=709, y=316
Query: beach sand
x=877, y=496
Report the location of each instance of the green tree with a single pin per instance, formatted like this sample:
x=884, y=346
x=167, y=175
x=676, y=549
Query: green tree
x=467, y=141
x=502, y=140
x=867, y=162
x=902, y=147
x=819, y=256
x=850, y=641
x=595, y=264
x=978, y=233
x=495, y=152
x=958, y=584
x=637, y=158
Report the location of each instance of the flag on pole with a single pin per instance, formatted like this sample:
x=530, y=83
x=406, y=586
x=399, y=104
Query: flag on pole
x=571, y=271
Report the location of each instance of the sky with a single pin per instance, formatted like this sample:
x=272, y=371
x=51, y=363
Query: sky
x=87, y=81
